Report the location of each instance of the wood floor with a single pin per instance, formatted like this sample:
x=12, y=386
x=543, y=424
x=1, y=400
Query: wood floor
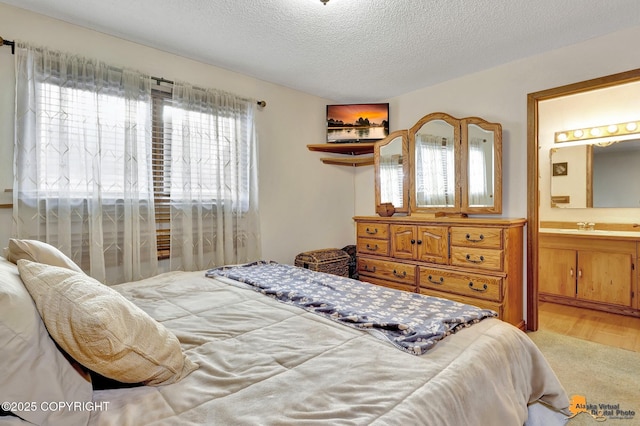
x=600, y=327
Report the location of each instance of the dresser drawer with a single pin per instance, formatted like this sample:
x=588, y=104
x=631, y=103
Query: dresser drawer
x=373, y=246
x=390, y=284
x=372, y=230
x=480, y=303
x=472, y=285
x=476, y=237
x=383, y=269
x=488, y=259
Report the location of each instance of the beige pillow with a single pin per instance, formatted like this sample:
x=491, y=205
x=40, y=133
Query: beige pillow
x=32, y=369
x=38, y=251
x=101, y=329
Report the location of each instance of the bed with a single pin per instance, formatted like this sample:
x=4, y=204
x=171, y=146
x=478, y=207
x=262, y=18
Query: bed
x=256, y=360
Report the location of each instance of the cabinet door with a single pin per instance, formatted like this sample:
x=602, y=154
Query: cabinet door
x=433, y=244
x=557, y=271
x=403, y=241
x=605, y=277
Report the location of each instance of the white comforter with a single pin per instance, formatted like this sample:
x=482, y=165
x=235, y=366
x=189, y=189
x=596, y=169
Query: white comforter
x=265, y=363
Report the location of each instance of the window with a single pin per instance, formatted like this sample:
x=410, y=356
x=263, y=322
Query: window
x=104, y=127
x=223, y=162
x=97, y=124
x=116, y=174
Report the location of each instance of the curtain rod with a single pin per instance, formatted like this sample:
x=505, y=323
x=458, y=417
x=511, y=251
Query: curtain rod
x=4, y=42
x=159, y=80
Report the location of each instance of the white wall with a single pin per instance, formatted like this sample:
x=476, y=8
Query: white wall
x=304, y=204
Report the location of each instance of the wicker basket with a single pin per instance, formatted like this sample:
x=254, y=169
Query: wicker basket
x=332, y=261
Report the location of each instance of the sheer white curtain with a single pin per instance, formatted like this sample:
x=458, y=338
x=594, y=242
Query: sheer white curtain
x=83, y=178
x=391, y=176
x=435, y=184
x=479, y=189
x=213, y=180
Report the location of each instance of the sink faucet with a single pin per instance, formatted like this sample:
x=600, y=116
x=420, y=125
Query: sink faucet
x=586, y=226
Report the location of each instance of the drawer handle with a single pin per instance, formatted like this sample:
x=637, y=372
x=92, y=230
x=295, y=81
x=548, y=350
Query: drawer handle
x=366, y=268
x=370, y=232
x=474, y=261
x=468, y=238
x=480, y=290
x=372, y=248
x=431, y=280
x=402, y=275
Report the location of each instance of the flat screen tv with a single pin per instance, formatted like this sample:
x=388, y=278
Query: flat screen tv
x=349, y=123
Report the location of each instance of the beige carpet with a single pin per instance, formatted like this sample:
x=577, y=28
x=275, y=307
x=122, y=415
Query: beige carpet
x=601, y=374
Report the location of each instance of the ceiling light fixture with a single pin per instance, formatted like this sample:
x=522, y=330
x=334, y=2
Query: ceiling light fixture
x=324, y=2
x=609, y=132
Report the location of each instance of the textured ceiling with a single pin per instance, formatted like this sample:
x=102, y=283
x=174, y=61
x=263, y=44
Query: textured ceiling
x=349, y=50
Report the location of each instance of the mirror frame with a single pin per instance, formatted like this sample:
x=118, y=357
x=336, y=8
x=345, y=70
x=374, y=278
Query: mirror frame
x=455, y=123
x=404, y=135
x=533, y=160
x=461, y=155
x=496, y=128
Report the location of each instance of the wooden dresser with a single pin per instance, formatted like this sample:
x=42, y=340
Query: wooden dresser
x=477, y=261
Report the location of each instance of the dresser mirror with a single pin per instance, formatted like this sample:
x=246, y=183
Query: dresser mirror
x=435, y=153
x=456, y=166
x=391, y=169
x=483, y=191
x=596, y=175
x=421, y=170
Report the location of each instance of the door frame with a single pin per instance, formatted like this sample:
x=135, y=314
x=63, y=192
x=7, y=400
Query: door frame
x=533, y=193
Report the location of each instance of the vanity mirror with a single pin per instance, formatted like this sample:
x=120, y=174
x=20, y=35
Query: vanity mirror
x=391, y=170
x=596, y=175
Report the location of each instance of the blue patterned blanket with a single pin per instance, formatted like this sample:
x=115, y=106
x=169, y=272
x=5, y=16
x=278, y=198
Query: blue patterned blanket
x=411, y=321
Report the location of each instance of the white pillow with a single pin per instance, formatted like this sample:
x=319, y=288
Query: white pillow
x=32, y=367
x=38, y=251
x=101, y=329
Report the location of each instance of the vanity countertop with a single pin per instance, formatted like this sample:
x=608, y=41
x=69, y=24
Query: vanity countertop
x=596, y=233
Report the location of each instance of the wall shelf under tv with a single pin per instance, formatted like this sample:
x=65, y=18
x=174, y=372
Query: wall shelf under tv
x=351, y=149
x=348, y=161
x=344, y=148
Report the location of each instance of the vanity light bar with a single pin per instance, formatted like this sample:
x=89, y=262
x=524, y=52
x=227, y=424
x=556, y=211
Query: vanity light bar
x=622, y=131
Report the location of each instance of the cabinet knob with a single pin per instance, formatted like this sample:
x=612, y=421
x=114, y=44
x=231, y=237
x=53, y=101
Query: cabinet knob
x=419, y=242
x=413, y=241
